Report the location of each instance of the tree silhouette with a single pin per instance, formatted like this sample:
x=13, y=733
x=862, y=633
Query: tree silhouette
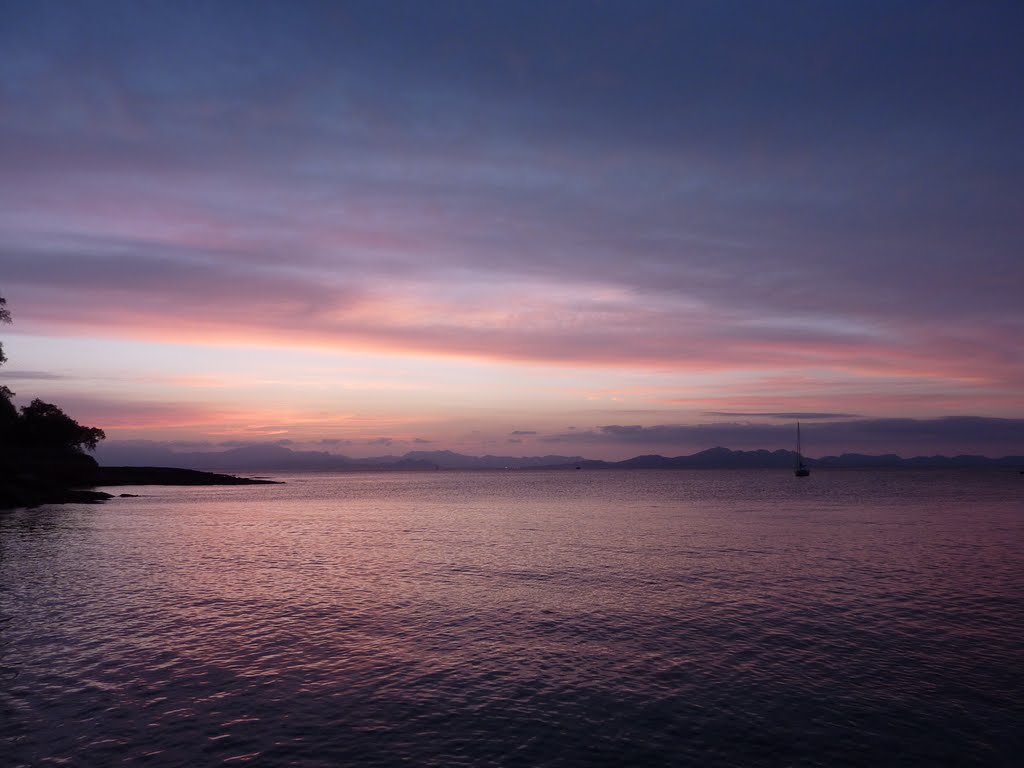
x=5, y=317
x=42, y=449
x=45, y=430
x=7, y=410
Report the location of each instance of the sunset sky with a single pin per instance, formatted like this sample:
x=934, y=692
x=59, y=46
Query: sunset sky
x=594, y=228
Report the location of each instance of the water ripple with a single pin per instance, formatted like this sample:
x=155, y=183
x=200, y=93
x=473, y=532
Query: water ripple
x=519, y=619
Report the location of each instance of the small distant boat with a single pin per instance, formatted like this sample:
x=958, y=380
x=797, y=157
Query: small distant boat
x=801, y=469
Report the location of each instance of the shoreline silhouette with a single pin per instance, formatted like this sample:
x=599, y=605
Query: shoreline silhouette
x=30, y=492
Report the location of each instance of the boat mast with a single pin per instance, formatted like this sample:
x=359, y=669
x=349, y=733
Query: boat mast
x=801, y=469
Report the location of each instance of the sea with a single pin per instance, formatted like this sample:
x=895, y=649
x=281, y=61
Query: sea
x=521, y=618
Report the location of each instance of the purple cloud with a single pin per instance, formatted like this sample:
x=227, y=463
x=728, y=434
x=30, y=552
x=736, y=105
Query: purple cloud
x=588, y=185
x=33, y=376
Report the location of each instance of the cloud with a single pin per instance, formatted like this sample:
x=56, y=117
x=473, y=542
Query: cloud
x=249, y=443
x=114, y=413
x=32, y=375
x=523, y=432
x=791, y=416
x=162, y=445
x=597, y=186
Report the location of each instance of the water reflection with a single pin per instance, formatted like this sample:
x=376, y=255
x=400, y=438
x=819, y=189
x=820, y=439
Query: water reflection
x=519, y=618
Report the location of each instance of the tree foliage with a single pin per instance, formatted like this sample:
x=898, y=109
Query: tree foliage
x=43, y=427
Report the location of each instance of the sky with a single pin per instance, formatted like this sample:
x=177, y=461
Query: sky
x=518, y=228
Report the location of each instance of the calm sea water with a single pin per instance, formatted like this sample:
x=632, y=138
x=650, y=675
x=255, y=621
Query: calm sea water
x=521, y=619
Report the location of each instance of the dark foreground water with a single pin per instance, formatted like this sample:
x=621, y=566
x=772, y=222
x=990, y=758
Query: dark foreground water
x=521, y=619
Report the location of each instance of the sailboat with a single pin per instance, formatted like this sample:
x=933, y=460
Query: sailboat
x=801, y=468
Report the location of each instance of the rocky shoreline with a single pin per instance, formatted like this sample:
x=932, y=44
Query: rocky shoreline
x=28, y=491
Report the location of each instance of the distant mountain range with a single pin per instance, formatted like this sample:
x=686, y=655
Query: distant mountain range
x=723, y=458
x=275, y=457
x=270, y=457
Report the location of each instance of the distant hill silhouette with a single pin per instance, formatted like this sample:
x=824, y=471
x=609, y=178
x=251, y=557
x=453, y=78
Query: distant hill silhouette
x=724, y=458
x=271, y=457
x=277, y=457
